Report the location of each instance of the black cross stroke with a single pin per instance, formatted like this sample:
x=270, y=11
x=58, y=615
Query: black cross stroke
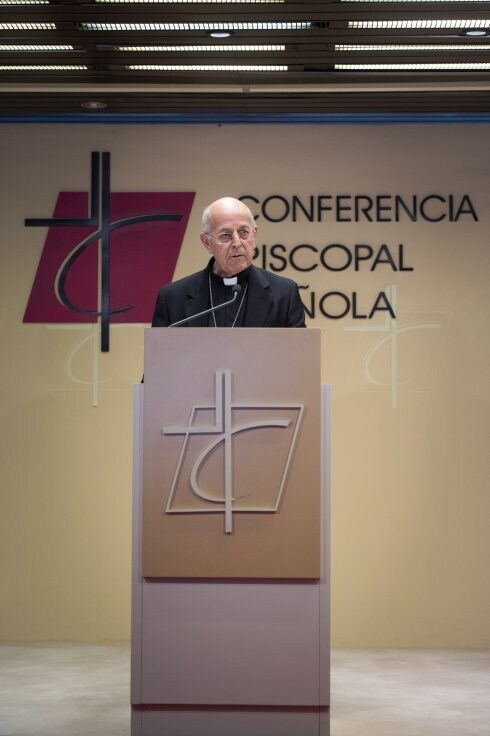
x=99, y=217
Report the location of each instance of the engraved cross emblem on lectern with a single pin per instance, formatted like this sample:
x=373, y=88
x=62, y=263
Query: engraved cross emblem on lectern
x=235, y=457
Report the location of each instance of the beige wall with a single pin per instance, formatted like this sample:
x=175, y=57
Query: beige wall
x=410, y=495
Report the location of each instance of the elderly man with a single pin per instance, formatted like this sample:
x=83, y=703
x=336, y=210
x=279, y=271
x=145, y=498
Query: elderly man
x=264, y=299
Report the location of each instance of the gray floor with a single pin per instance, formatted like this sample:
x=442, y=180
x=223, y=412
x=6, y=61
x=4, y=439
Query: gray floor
x=83, y=690
x=410, y=693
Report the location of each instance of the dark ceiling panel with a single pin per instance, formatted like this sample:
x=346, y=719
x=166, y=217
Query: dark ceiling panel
x=309, y=57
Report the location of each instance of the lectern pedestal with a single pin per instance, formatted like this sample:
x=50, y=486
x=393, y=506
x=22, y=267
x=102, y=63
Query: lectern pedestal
x=214, y=652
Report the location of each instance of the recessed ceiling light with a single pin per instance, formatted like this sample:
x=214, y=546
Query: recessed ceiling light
x=194, y=2
x=208, y=48
x=232, y=26
x=429, y=2
x=27, y=26
x=411, y=47
x=35, y=47
x=456, y=66
x=220, y=34
x=94, y=105
x=206, y=68
x=420, y=24
x=43, y=68
x=24, y=2
x=476, y=32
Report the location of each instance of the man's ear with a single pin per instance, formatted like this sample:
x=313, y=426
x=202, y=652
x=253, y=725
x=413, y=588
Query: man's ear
x=204, y=241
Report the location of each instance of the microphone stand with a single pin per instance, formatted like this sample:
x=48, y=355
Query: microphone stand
x=236, y=290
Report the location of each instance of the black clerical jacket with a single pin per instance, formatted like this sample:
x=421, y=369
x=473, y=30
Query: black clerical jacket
x=272, y=301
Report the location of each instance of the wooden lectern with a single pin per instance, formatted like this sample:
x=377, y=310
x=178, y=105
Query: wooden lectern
x=230, y=603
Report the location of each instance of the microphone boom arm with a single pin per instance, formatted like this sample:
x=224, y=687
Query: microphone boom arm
x=236, y=291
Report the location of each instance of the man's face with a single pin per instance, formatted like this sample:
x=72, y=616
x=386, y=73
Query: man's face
x=231, y=238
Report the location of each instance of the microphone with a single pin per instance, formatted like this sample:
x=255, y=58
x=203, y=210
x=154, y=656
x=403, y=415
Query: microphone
x=236, y=289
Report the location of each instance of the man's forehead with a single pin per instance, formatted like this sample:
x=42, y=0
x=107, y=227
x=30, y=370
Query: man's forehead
x=226, y=219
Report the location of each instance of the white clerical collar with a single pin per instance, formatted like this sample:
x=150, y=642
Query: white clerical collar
x=231, y=281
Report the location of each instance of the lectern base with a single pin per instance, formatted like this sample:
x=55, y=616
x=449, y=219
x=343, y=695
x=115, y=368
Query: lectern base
x=173, y=721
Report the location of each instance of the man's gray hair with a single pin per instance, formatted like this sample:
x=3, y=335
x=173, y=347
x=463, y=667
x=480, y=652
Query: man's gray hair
x=205, y=221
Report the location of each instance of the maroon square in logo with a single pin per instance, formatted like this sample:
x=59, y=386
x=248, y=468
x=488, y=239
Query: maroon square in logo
x=110, y=263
